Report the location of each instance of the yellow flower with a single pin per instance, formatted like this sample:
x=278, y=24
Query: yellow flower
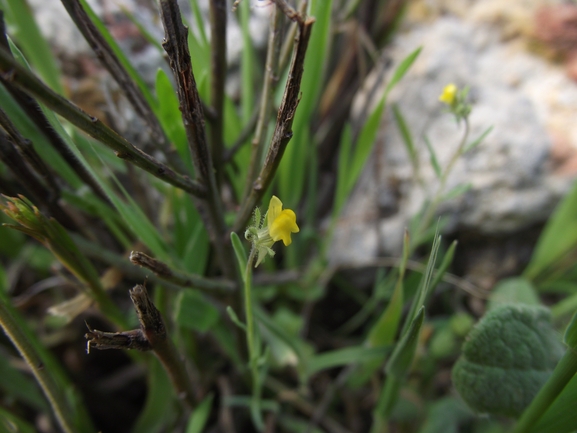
x=277, y=225
x=281, y=223
x=449, y=94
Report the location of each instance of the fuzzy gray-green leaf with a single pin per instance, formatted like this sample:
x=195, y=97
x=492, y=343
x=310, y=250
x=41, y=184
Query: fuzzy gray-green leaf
x=506, y=359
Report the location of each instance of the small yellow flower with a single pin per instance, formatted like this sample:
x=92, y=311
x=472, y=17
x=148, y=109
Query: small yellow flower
x=449, y=94
x=281, y=223
x=277, y=225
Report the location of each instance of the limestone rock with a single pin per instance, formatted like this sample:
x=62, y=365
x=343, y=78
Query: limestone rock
x=517, y=174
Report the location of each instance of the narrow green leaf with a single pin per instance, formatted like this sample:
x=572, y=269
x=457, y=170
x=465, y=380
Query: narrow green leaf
x=199, y=21
x=566, y=306
x=405, y=133
x=402, y=69
x=368, y=133
x=34, y=44
x=278, y=332
x=159, y=409
x=364, y=144
x=199, y=417
x=239, y=251
x=51, y=365
x=15, y=384
x=561, y=417
x=385, y=329
x=130, y=211
x=189, y=236
x=433, y=158
x=198, y=44
x=570, y=337
x=235, y=318
x=29, y=131
x=193, y=311
x=557, y=239
x=457, y=191
x=345, y=356
x=152, y=40
x=564, y=373
x=248, y=61
x=479, y=140
x=144, y=88
x=95, y=207
x=425, y=285
x=384, y=332
x=447, y=260
x=345, y=149
x=170, y=118
x=196, y=252
x=404, y=352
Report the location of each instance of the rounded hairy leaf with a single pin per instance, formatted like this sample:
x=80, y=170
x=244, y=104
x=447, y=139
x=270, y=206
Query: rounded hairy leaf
x=506, y=359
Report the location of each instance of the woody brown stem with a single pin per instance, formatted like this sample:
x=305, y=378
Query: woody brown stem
x=152, y=335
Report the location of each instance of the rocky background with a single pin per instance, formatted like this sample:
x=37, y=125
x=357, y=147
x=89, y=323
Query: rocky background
x=517, y=59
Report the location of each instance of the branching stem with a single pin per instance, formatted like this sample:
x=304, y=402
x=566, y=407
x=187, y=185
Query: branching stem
x=176, y=47
x=283, y=129
x=163, y=271
x=23, y=79
x=432, y=207
x=218, y=64
x=113, y=64
x=270, y=79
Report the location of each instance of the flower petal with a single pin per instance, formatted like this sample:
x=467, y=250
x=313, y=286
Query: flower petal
x=449, y=94
x=282, y=227
x=274, y=210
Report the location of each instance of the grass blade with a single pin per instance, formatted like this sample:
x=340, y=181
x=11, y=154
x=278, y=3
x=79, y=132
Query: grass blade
x=35, y=46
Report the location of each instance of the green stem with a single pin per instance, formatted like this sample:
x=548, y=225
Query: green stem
x=62, y=410
x=563, y=373
x=431, y=209
x=253, y=349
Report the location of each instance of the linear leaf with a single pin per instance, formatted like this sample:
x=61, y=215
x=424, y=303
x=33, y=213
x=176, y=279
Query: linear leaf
x=239, y=250
x=557, y=239
x=35, y=46
x=345, y=356
x=433, y=158
x=198, y=419
x=479, y=140
x=405, y=133
x=144, y=88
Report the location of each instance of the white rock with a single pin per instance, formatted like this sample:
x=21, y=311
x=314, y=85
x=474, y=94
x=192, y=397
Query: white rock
x=514, y=184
